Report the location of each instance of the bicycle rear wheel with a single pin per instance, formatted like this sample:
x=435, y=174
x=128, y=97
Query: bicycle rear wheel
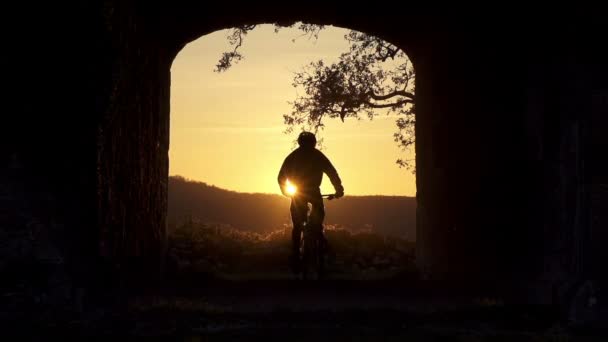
x=312, y=256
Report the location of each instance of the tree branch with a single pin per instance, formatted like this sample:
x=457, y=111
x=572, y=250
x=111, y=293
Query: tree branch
x=390, y=53
x=235, y=39
x=377, y=97
x=388, y=105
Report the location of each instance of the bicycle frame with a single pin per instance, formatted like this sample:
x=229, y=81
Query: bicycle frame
x=312, y=251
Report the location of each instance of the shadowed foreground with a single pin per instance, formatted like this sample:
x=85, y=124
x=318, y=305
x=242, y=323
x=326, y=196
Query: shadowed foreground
x=228, y=284
x=298, y=310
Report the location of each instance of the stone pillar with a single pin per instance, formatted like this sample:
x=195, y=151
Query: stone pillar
x=132, y=147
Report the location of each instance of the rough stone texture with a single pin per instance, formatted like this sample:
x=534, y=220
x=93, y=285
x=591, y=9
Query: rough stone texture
x=132, y=145
x=511, y=176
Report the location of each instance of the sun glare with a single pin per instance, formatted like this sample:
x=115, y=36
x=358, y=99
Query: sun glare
x=290, y=188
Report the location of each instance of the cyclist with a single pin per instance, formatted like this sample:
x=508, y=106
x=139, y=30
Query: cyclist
x=303, y=170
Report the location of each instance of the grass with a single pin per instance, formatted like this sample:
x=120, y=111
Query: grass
x=215, y=250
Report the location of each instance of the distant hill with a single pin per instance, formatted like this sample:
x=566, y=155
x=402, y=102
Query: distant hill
x=389, y=215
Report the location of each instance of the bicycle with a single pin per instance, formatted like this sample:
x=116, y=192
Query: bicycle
x=312, y=248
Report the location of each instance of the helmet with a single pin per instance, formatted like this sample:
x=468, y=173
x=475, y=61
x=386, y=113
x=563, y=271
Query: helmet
x=307, y=139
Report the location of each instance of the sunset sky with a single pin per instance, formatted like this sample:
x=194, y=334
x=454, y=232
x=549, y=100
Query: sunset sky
x=227, y=128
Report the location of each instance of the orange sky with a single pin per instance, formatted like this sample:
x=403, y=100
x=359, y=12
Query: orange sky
x=227, y=128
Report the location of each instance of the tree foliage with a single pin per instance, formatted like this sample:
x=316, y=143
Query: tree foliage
x=372, y=78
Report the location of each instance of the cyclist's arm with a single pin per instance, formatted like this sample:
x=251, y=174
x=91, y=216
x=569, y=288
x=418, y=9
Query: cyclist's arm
x=332, y=173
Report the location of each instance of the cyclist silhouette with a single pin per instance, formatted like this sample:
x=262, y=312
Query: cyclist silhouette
x=304, y=168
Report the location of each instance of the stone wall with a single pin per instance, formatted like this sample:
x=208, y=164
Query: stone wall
x=502, y=137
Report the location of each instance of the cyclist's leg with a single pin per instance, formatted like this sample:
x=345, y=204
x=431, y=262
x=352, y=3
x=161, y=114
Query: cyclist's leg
x=317, y=213
x=316, y=217
x=298, y=211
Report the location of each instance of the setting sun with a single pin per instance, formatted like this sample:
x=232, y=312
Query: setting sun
x=290, y=188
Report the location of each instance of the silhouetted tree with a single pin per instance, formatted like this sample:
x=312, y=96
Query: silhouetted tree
x=373, y=77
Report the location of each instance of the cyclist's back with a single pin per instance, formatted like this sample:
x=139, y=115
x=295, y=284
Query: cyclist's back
x=305, y=167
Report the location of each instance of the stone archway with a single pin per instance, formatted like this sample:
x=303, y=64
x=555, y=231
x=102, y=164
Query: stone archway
x=501, y=132
x=475, y=175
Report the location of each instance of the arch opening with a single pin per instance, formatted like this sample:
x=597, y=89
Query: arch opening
x=228, y=139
